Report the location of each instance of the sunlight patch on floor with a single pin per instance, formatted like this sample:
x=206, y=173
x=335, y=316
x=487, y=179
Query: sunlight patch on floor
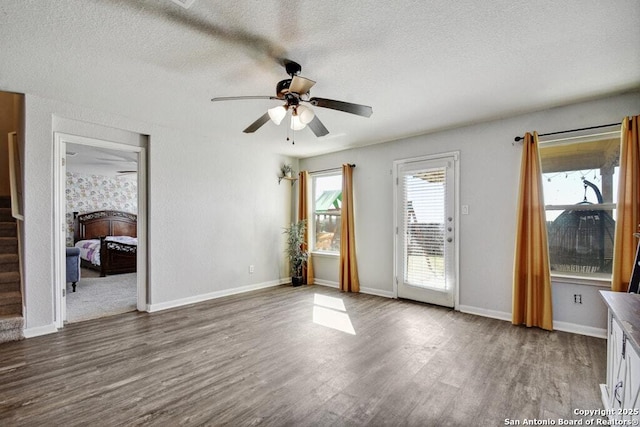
x=331, y=312
x=329, y=302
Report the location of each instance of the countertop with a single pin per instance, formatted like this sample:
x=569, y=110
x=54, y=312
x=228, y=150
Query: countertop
x=626, y=308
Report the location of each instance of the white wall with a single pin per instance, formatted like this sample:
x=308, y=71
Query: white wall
x=489, y=174
x=214, y=208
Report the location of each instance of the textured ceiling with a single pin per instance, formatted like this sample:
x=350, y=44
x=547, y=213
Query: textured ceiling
x=422, y=65
x=89, y=160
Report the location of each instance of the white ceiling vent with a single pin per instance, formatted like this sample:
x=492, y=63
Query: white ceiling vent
x=184, y=3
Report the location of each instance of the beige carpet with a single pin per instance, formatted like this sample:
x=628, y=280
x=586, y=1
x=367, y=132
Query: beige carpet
x=101, y=296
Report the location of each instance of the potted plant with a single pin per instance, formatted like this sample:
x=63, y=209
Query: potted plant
x=295, y=251
x=287, y=171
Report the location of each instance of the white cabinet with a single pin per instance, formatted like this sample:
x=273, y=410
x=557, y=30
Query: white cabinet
x=621, y=393
x=632, y=383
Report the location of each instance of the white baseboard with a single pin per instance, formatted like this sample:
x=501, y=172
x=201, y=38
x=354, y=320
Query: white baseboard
x=370, y=291
x=377, y=292
x=326, y=283
x=213, y=295
x=40, y=330
x=573, y=328
x=500, y=315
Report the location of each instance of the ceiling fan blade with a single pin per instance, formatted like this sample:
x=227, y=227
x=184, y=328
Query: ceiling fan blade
x=103, y=159
x=317, y=127
x=347, y=107
x=240, y=98
x=257, y=124
x=300, y=85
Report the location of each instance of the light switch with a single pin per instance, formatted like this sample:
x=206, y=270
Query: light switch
x=465, y=209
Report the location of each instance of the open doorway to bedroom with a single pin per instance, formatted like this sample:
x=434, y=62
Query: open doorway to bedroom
x=100, y=202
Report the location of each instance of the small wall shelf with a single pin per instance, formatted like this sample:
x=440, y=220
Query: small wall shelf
x=287, y=178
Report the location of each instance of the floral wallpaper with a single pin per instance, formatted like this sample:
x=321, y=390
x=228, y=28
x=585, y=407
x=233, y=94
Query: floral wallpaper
x=87, y=193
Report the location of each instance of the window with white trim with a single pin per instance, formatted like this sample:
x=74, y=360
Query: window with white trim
x=580, y=181
x=327, y=205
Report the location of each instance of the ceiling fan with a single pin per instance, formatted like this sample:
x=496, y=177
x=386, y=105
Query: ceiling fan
x=295, y=94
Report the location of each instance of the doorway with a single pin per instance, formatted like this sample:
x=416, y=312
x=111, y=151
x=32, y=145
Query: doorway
x=112, y=163
x=426, y=218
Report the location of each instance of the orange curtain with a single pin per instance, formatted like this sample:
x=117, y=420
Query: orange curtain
x=531, y=276
x=628, y=212
x=304, y=213
x=349, y=281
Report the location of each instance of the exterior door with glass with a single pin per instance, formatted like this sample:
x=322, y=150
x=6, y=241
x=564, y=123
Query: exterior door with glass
x=426, y=220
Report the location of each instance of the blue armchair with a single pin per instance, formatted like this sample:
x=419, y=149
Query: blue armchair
x=73, y=266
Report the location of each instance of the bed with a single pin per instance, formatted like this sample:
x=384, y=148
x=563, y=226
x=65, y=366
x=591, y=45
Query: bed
x=107, y=241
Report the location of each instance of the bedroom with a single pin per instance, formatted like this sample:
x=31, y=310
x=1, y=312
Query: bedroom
x=210, y=183
x=97, y=180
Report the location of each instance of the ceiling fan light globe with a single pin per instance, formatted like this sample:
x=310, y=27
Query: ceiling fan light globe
x=305, y=114
x=276, y=114
x=296, y=123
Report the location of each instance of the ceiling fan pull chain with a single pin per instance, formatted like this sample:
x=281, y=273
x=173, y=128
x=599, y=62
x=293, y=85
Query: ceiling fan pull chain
x=288, y=139
x=293, y=133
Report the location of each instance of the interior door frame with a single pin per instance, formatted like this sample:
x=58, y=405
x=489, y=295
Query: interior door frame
x=455, y=156
x=60, y=230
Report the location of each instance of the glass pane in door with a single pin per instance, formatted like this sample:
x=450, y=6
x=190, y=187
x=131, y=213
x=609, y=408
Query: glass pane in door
x=423, y=198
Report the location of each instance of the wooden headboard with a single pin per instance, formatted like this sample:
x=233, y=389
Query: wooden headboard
x=93, y=225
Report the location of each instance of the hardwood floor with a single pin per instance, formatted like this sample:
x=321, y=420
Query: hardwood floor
x=258, y=358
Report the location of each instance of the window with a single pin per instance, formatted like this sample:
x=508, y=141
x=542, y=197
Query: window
x=327, y=196
x=580, y=180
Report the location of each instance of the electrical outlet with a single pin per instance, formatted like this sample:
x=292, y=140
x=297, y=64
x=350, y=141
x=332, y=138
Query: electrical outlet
x=252, y=268
x=577, y=298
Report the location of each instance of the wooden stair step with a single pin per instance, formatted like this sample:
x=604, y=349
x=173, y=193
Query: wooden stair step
x=9, y=272
x=8, y=229
x=8, y=259
x=9, y=281
x=11, y=309
x=8, y=267
x=5, y=215
x=10, y=303
x=10, y=287
x=9, y=276
x=8, y=245
x=10, y=297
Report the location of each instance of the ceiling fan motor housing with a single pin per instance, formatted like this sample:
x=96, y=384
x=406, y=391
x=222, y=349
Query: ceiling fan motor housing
x=292, y=99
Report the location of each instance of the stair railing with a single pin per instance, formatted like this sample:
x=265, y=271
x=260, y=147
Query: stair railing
x=15, y=184
x=15, y=177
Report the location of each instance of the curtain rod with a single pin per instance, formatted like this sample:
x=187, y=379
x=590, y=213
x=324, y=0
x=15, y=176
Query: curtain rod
x=520, y=138
x=353, y=165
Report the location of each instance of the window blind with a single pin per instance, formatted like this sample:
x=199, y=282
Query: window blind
x=423, y=225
